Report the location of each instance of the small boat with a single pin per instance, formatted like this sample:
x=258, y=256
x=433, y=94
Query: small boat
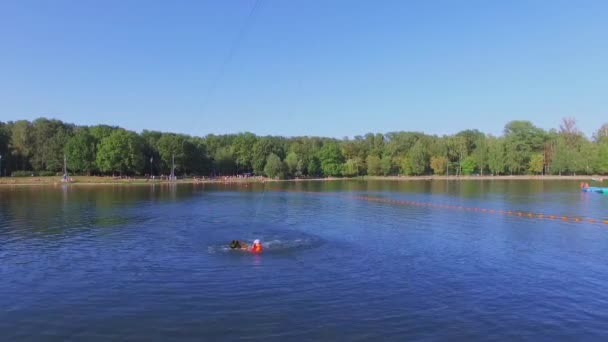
x=595, y=189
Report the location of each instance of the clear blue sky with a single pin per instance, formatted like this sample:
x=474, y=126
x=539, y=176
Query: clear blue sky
x=329, y=68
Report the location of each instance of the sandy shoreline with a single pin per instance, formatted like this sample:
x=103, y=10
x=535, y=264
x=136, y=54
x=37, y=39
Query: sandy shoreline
x=93, y=180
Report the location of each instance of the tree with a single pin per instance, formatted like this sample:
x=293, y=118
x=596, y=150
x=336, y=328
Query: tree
x=351, y=168
x=522, y=139
x=418, y=158
x=480, y=153
x=80, y=151
x=537, y=163
x=601, y=164
x=261, y=149
x=439, y=164
x=49, y=138
x=602, y=134
x=331, y=159
x=386, y=164
x=41, y=145
x=314, y=167
x=470, y=138
x=274, y=167
x=243, y=151
x=374, y=166
x=121, y=152
x=400, y=143
x=22, y=142
x=152, y=157
x=496, y=155
x=100, y=132
x=224, y=162
x=567, y=158
x=170, y=149
x=5, y=138
x=406, y=165
x=291, y=162
x=468, y=165
x=569, y=131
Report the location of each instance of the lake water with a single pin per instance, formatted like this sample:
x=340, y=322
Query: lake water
x=145, y=263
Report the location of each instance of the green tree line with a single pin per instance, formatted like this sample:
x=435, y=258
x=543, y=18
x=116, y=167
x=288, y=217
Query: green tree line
x=40, y=146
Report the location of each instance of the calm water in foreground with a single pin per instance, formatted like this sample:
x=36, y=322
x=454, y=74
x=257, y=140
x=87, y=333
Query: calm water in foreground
x=99, y=263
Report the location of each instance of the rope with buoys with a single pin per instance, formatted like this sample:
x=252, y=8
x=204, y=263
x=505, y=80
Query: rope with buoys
x=515, y=213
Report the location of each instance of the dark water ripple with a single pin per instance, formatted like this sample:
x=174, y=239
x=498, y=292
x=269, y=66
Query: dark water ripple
x=151, y=263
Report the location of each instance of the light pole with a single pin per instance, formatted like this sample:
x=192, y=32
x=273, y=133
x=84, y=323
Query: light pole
x=173, y=167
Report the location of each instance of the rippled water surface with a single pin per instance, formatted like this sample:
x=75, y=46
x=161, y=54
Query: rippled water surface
x=422, y=260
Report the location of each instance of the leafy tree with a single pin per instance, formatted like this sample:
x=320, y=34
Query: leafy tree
x=468, y=165
x=331, y=159
x=587, y=162
x=602, y=158
x=291, y=162
x=496, y=155
x=5, y=137
x=386, y=164
x=121, y=152
x=314, y=167
x=601, y=135
x=374, y=165
x=439, y=164
x=400, y=143
x=567, y=158
x=522, y=139
x=262, y=148
x=169, y=148
x=48, y=138
x=22, y=142
x=406, y=166
x=374, y=144
x=274, y=167
x=537, y=163
x=150, y=148
x=224, y=161
x=80, y=151
x=243, y=151
x=351, y=168
x=100, y=132
x=41, y=145
x=469, y=139
x=419, y=159
x=480, y=153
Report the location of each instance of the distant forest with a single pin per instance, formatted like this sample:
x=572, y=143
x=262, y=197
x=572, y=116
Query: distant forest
x=39, y=147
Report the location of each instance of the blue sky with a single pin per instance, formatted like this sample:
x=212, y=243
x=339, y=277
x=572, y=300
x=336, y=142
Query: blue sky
x=329, y=68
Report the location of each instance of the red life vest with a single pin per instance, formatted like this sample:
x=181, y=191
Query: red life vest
x=256, y=248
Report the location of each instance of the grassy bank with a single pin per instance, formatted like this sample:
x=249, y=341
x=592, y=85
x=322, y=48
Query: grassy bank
x=143, y=181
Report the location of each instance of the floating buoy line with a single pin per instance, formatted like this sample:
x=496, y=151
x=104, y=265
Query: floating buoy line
x=515, y=213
